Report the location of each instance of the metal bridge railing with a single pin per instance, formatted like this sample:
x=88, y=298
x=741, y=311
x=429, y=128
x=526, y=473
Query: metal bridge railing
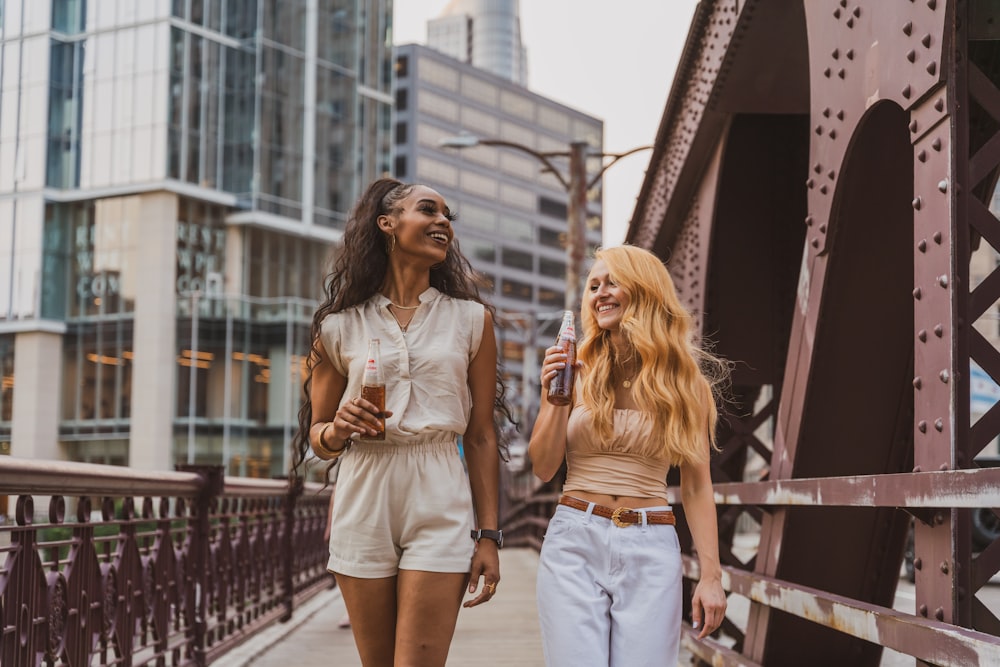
x=161, y=568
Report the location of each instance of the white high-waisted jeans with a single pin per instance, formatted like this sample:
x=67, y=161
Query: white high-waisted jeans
x=609, y=595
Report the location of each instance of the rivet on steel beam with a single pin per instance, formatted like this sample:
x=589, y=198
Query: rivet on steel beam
x=836, y=13
x=911, y=55
x=939, y=612
x=836, y=54
x=826, y=72
x=817, y=167
x=826, y=112
x=815, y=243
x=822, y=229
x=809, y=221
x=938, y=518
x=937, y=238
x=819, y=129
x=932, y=68
x=917, y=293
x=922, y=245
x=922, y=426
x=922, y=335
x=939, y=331
x=850, y=23
x=922, y=156
x=810, y=183
x=843, y=3
x=913, y=125
x=831, y=174
x=936, y=144
x=943, y=186
x=926, y=41
x=833, y=134
x=917, y=203
x=923, y=610
x=938, y=425
x=932, y=4
x=939, y=105
x=842, y=73
x=907, y=92
x=908, y=28
x=944, y=376
x=850, y=54
x=840, y=115
x=918, y=382
x=943, y=280
x=822, y=189
x=918, y=563
x=857, y=12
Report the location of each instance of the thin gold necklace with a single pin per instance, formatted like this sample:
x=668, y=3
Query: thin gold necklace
x=402, y=327
x=396, y=305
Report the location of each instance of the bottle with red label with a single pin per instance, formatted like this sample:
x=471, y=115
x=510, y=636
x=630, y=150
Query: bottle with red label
x=561, y=386
x=373, y=386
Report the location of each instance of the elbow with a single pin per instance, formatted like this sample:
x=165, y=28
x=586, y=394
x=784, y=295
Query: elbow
x=544, y=472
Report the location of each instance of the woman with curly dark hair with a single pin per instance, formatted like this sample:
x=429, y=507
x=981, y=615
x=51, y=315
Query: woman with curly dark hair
x=410, y=531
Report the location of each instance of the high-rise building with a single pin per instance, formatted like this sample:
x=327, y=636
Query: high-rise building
x=173, y=175
x=482, y=33
x=512, y=213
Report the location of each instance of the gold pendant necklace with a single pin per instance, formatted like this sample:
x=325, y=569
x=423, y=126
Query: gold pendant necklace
x=627, y=383
x=402, y=327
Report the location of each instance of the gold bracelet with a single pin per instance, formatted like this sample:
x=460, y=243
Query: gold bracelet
x=326, y=448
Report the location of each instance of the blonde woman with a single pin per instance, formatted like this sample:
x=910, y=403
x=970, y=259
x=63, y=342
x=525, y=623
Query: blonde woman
x=609, y=579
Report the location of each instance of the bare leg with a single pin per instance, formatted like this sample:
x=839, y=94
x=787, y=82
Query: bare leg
x=428, y=604
x=371, y=605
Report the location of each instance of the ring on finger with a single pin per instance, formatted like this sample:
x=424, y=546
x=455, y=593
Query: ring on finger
x=492, y=588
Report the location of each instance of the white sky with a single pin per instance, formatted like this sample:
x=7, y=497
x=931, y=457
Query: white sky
x=612, y=60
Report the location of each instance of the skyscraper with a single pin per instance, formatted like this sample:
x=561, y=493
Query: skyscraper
x=172, y=178
x=483, y=33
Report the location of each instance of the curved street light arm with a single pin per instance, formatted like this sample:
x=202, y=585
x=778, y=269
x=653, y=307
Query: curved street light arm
x=541, y=157
x=615, y=157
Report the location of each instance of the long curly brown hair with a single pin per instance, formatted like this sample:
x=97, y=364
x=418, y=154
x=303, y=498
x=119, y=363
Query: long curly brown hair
x=358, y=272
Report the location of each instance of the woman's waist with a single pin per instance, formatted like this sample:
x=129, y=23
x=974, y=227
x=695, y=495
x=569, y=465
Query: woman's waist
x=613, y=500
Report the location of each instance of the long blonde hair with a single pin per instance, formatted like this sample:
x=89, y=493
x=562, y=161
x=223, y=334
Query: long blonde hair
x=671, y=386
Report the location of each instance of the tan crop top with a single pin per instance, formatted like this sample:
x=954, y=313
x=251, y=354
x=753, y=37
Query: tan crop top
x=616, y=467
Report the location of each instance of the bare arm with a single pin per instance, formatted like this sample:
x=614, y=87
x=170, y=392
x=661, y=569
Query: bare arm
x=708, y=604
x=332, y=427
x=483, y=460
x=547, y=446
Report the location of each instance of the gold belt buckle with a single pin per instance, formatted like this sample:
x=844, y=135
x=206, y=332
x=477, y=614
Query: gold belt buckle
x=616, y=517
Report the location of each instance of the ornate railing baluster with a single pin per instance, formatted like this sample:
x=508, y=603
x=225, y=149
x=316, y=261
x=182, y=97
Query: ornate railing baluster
x=174, y=581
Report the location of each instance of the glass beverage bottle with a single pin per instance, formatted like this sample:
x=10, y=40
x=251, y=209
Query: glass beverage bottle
x=373, y=386
x=561, y=386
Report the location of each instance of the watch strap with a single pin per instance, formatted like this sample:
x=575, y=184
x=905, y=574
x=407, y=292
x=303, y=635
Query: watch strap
x=495, y=535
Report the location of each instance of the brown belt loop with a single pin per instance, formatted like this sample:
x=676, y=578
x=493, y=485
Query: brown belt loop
x=623, y=516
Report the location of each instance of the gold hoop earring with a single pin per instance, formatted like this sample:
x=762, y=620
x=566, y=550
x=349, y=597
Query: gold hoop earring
x=390, y=244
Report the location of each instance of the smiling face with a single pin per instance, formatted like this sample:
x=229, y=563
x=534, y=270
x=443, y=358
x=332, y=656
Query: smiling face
x=421, y=224
x=605, y=298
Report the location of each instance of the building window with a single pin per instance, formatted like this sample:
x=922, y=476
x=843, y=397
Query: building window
x=402, y=67
x=518, y=259
x=7, y=378
x=402, y=99
x=551, y=268
x=551, y=238
x=551, y=297
x=517, y=290
x=552, y=208
x=401, y=133
x=400, y=167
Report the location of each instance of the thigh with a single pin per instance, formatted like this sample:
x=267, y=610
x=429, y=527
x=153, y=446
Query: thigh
x=573, y=603
x=428, y=604
x=646, y=612
x=371, y=605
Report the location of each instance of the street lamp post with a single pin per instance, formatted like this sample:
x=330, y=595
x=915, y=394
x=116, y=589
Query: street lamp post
x=575, y=183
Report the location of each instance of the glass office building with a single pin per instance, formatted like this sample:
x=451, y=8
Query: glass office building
x=174, y=175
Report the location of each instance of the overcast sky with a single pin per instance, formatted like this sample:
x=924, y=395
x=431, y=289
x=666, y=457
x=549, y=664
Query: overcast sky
x=612, y=60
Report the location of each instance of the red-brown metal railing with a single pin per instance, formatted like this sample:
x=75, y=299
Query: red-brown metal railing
x=150, y=568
